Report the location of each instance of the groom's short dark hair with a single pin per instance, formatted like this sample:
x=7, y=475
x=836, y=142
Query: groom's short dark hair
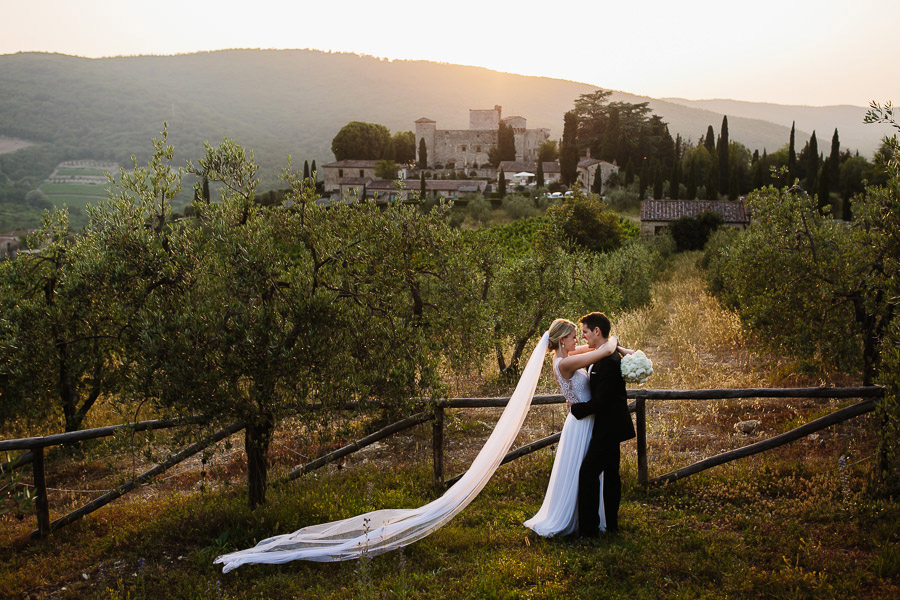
x=597, y=319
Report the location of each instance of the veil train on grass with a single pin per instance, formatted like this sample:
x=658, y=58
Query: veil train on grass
x=384, y=530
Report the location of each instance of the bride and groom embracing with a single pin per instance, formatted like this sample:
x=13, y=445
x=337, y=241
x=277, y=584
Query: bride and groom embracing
x=592, y=383
x=588, y=455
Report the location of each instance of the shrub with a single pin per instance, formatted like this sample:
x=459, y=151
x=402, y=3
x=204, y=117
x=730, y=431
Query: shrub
x=518, y=206
x=691, y=233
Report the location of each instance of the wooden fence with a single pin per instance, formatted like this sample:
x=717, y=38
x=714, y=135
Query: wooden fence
x=35, y=446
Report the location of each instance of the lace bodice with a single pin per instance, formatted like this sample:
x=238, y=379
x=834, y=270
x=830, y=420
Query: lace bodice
x=576, y=389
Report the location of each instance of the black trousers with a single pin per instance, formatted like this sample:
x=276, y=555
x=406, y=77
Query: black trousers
x=601, y=457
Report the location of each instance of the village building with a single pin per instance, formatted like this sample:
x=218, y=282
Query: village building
x=9, y=244
x=465, y=148
x=347, y=174
x=657, y=215
x=589, y=169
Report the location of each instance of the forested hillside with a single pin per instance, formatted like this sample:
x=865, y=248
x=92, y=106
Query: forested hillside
x=277, y=102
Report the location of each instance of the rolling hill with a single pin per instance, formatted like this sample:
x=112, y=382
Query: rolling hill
x=293, y=102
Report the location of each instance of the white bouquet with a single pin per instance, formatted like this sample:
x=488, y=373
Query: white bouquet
x=636, y=367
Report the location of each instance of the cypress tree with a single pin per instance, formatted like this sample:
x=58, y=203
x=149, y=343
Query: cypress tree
x=834, y=163
x=568, y=152
x=501, y=184
x=812, y=168
x=792, y=156
x=506, y=142
x=756, y=171
x=422, y=188
x=423, y=155
x=824, y=191
x=675, y=180
x=722, y=150
x=305, y=170
x=710, y=140
x=643, y=180
x=597, y=183
x=658, y=183
x=312, y=171
x=712, y=186
x=691, y=193
x=539, y=176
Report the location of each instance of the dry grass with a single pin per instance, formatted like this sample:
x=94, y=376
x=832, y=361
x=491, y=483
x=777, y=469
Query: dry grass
x=694, y=344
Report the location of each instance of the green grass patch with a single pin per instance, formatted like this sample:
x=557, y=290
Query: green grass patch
x=74, y=189
x=738, y=533
x=18, y=216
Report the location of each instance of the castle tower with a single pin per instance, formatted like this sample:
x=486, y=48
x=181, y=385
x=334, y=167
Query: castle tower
x=485, y=119
x=425, y=129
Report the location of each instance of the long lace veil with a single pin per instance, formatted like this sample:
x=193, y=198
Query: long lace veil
x=384, y=530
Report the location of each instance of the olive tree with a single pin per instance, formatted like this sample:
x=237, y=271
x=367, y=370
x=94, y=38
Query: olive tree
x=71, y=303
x=299, y=305
x=822, y=287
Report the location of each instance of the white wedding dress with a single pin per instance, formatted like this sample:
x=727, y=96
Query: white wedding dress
x=558, y=514
x=384, y=530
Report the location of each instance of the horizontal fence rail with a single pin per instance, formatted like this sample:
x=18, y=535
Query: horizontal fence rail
x=434, y=410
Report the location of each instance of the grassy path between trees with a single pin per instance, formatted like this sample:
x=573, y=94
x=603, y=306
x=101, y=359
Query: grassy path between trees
x=798, y=522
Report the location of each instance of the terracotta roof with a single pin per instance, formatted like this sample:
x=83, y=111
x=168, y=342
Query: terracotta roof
x=351, y=163
x=588, y=162
x=669, y=210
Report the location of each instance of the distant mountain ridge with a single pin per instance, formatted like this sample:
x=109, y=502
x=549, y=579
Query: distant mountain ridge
x=281, y=102
x=848, y=120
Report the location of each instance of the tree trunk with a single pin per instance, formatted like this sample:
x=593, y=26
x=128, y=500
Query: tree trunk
x=257, y=438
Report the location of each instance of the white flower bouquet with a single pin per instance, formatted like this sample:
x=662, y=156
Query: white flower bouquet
x=636, y=367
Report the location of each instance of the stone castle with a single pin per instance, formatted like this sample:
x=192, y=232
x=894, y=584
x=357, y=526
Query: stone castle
x=468, y=148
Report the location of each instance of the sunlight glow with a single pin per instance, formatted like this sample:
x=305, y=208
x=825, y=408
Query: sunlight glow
x=802, y=52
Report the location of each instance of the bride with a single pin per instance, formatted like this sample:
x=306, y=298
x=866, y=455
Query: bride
x=558, y=514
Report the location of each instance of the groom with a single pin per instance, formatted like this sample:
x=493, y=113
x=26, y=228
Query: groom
x=612, y=425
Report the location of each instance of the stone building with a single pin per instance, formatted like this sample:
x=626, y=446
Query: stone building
x=464, y=148
x=591, y=168
x=347, y=172
x=657, y=215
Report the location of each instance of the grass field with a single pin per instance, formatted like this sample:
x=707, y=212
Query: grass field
x=798, y=522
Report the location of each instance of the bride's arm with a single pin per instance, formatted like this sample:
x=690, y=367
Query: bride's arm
x=580, y=350
x=623, y=351
x=573, y=362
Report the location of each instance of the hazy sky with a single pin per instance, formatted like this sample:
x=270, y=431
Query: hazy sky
x=815, y=52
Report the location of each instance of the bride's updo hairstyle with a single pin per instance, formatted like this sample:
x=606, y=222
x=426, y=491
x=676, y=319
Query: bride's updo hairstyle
x=559, y=329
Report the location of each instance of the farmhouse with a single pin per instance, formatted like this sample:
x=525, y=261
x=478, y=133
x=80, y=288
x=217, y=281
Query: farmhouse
x=656, y=215
x=347, y=174
x=464, y=148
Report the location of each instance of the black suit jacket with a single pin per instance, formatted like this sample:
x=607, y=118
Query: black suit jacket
x=609, y=402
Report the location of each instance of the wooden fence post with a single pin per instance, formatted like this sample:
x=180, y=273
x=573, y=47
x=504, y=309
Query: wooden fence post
x=41, y=504
x=641, y=417
x=437, y=446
